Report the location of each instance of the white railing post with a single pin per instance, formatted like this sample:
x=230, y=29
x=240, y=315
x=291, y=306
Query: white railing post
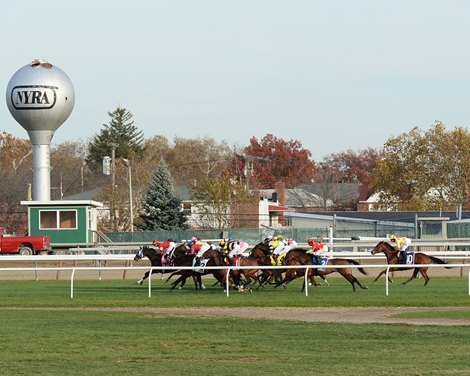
x=305, y=281
x=71, y=283
x=36, y=275
x=150, y=282
x=386, y=280
x=227, y=287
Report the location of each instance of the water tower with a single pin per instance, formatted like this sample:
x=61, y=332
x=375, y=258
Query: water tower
x=40, y=97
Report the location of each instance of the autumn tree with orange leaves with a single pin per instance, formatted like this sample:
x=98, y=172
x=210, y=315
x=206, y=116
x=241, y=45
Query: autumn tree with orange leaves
x=271, y=159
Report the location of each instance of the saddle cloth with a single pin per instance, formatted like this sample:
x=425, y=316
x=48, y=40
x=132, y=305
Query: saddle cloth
x=323, y=262
x=200, y=268
x=410, y=258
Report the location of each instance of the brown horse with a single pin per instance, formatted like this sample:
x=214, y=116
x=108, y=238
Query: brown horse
x=214, y=259
x=261, y=253
x=156, y=260
x=250, y=275
x=392, y=258
x=299, y=256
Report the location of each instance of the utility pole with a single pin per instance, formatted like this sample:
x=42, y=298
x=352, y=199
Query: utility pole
x=131, y=206
x=113, y=188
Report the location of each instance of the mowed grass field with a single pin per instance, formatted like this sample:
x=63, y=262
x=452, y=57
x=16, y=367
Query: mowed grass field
x=44, y=332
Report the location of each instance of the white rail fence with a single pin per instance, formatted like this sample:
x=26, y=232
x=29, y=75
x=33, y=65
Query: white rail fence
x=73, y=271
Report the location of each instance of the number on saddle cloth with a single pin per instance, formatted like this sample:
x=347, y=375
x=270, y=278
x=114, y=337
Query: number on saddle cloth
x=317, y=260
x=236, y=260
x=409, y=258
x=202, y=264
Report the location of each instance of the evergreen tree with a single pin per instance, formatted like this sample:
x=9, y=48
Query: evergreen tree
x=120, y=133
x=161, y=209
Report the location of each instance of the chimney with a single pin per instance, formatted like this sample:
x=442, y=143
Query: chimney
x=280, y=188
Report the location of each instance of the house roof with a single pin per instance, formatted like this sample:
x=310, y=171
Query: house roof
x=86, y=195
x=277, y=208
x=395, y=216
x=339, y=193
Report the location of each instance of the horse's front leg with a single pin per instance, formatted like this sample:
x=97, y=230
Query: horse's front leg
x=174, y=284
x=144, y=277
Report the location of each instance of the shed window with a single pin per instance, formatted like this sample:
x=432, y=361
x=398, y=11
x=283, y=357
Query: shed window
x=58, y=219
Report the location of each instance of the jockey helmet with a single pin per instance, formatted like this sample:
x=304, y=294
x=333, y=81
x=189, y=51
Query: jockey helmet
x=222, y=242
x=194, y=239
x=392, y=238
x=230, y=240
x=268, y=239
x=155, y=242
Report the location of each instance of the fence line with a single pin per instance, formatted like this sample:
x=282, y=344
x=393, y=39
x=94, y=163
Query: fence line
x=229, y=268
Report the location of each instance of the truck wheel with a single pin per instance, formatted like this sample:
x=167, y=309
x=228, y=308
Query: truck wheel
x=26, y=251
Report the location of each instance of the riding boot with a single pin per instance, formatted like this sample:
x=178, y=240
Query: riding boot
x=402, y=257
x=197, y=261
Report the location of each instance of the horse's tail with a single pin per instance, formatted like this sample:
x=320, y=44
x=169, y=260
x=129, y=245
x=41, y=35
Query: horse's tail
x=437, y=260
x=354, y=262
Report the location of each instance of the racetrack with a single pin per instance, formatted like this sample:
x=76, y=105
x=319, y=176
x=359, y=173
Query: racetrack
x=347, y=315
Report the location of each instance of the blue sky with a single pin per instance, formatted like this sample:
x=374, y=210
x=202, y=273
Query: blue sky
x=336, y=75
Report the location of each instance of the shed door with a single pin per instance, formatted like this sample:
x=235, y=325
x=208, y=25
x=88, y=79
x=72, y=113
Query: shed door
x=92, y=224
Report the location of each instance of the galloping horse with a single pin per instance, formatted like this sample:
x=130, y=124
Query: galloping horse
x=249, y=274
x=419, y=258
x=215, y=259
x=299, y=256
x=156, y=260
x=154, y=257
x=261, y=253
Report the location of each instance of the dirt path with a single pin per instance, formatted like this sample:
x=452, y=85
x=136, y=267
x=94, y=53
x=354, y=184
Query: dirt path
x=336, y=315
x=353, y=315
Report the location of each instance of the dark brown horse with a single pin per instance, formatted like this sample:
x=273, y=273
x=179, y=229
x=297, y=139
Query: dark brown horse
x=155, y=259
x=300, y=256
x=214, y=259
x=250, y=275
x=392, y=258
x=261, y=253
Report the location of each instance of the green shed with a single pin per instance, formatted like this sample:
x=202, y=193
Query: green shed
x=69, y=223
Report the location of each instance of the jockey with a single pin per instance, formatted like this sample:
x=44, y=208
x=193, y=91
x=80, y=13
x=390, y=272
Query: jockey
x=291, y=243
x=274, y=242
x=200, y=247
x=233, y=247
x=318, y=249
x=401, y=244
x=189, y=243
x=280, y=246
x=267, y=240
x=167, y=247
x=236, y=247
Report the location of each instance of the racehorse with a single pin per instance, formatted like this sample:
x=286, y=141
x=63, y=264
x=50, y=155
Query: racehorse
x=419, y=258
x=249, y=274
x=214, y=259
x=154, y=257
x=299, y=256
x=261, y=253
x=156, y=260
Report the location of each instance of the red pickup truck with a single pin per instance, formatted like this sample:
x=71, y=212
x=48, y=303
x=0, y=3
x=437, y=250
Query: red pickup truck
x=24, y=245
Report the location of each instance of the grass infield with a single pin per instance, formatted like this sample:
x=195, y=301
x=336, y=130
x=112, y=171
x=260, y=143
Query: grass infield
x=44, y=332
